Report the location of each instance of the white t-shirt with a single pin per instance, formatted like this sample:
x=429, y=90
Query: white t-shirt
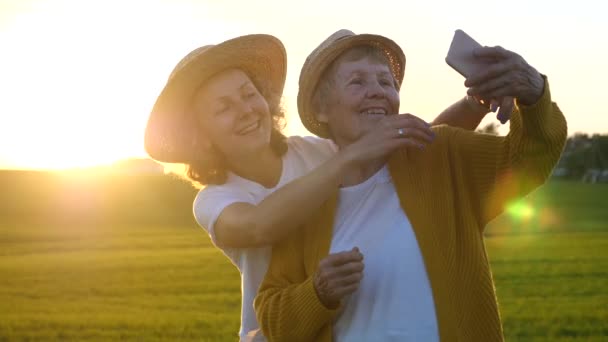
x=303, y=155
x=394, y=301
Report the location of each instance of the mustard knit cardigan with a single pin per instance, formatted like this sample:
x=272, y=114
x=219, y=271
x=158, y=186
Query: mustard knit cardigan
x=449, y=192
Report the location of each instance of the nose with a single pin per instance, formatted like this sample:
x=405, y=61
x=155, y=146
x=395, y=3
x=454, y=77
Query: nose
x=245, y=109
x=375, y=90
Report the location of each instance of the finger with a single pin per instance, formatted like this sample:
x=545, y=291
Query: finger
x=341, y=258
x=425, y=136
x=482, y=89
x=413, y=127
x=349, y=268
x=354, y=278
x=490, y=72
x=342, y=276
x=417, y=120
x=492, y=53
x=422, y=136
x=506, y=108
x=405, y=142
x=341, y=292
x=494, y=105
x=418, y=123
x=506, y=91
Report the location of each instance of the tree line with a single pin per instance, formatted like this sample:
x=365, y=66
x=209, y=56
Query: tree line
x=585, y=156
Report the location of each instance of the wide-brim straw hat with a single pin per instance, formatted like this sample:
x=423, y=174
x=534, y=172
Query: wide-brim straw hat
x=171, y=132
x=321, y=58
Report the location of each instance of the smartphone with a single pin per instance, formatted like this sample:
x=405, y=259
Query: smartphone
x=460, y=55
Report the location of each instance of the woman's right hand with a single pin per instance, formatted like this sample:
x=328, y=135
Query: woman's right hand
x=338, y=275
x=390, y=133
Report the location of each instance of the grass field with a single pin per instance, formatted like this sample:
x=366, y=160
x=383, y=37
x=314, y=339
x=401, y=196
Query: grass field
x=140, y=281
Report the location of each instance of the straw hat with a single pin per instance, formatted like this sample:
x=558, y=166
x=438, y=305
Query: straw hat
x=171, y=134
x=330, y=49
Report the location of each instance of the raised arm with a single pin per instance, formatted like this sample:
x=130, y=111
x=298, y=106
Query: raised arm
x=243, y=225
x=465, y=113
x=502, y=169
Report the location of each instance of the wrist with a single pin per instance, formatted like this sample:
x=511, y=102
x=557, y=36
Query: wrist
x=477, y=106
x=536, y=84
x=333, y=170
x=344, y=160
x=329, y=304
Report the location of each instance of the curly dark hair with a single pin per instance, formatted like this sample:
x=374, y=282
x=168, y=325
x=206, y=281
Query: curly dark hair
x=209, y=167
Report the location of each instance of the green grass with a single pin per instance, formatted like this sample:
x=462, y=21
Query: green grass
x=552, y=287
x=135, y=281
x=119, y=283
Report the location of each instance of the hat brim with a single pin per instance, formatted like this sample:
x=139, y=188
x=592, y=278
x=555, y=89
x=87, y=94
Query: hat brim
x=310, y=76
x=170, y=135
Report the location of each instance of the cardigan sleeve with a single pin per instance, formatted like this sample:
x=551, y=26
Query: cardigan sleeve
x=287, y=306
x=502, y=169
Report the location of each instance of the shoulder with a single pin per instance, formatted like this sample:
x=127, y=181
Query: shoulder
x=311, y=144
x=456, y=138
x=212, y=200
x=445, y=136
x=445, y=132
x=306, y=153
x=447, y=143
x=220, y=193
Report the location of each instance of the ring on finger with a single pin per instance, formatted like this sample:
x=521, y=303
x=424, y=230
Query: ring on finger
x=400, y=132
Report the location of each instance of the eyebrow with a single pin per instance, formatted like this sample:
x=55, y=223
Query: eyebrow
x=361, y=72
x=241, y=87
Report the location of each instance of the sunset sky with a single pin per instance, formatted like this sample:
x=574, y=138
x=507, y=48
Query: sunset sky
x=78, y=78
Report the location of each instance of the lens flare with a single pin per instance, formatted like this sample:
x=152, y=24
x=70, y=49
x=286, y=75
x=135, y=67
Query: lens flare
x=521, y=210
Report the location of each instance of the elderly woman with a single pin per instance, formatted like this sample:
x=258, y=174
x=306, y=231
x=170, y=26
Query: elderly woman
x=220, y=115
x=418, y=215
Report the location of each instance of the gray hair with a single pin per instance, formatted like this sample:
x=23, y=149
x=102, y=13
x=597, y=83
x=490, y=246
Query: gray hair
x=322, y=93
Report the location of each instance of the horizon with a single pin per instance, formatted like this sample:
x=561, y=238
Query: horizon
x=79, y=79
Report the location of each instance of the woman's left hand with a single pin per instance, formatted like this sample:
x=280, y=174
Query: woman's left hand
x=508, y=75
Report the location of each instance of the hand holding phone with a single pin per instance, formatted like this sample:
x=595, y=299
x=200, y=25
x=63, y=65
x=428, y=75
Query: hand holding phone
x=461, y=58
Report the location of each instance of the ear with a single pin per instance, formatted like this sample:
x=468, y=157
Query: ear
x=323, y=101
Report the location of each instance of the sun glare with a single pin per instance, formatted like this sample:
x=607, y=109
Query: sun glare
x=78, y=78
x=81, y=78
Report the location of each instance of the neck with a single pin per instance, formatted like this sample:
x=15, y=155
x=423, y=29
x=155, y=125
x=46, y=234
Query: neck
x=360, y=173
x=264, y=168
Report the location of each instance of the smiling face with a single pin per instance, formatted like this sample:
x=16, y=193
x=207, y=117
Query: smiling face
x=361, y=92
x=233, y=115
